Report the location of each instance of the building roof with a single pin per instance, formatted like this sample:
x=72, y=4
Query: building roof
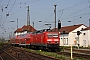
x=88, y=28
x=28, y=28
x=18, y=30
x=68, y=29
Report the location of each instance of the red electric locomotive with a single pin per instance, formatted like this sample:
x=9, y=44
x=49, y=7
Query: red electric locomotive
x=45, y=39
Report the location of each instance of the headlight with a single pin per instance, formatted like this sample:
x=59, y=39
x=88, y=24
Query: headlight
x=48, y=42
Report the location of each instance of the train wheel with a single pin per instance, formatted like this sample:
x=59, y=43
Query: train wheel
x=44, y=48
x=49, y=50
x=57, y=50
x=30, y=46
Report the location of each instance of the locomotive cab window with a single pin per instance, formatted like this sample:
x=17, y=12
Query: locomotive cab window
x=55, y=35
x=49, y=35
x=52, y=35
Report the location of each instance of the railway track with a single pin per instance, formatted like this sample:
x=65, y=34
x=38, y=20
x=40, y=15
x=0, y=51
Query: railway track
x=15, y=53
x=79, y=53
x=5, y=55
x=86, y=51
x=34, y=56
x=1, y=58
x=4, y=48
x=23, y=56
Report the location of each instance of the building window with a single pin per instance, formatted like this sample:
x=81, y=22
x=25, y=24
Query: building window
x=84, y=43
x=84, y=33
x=82, y=29
x=66, y=41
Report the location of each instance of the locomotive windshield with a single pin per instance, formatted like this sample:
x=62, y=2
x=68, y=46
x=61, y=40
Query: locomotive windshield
x=52, y=35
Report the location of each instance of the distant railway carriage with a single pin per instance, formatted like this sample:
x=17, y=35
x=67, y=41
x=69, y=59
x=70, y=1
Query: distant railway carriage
x=12, y=40
x=26, y=39
x=42, y=39
x=22, y=40
x=17, y=42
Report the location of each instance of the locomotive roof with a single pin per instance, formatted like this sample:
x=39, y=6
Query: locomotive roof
x=41, y=31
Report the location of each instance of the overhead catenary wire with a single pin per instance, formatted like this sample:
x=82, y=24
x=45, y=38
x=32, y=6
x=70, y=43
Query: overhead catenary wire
x=75, y=13
x=20, y=6
x=1, y=8
x=79, y=3
x=73, y=17
x=18, y=11
x=15, y=12
x=23, y=2
x=6, y=7
x=1, y=13
x=48, y=17
x=45, y=18
x=8, y=13
x=32, y=1
x=61, y=14
x=8, y=3
x=12, y=6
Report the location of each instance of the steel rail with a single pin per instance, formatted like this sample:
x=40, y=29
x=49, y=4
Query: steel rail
x=10, y=55
x=34, y=55
x=1, y=58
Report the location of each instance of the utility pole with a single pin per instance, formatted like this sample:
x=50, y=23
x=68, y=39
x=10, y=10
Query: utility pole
x=89, y=22
x=33, y=24
x=28, y=17
x=55, y=15
x=17, y=23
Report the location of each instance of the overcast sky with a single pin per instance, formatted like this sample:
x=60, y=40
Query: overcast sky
x=76, y=11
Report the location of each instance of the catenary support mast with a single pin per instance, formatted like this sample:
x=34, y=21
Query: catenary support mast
x=55, y=15
x=28, y=17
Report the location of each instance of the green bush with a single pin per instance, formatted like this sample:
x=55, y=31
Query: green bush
x=1, y=44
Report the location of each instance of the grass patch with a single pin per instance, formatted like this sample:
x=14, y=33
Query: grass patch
x=53, y=54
